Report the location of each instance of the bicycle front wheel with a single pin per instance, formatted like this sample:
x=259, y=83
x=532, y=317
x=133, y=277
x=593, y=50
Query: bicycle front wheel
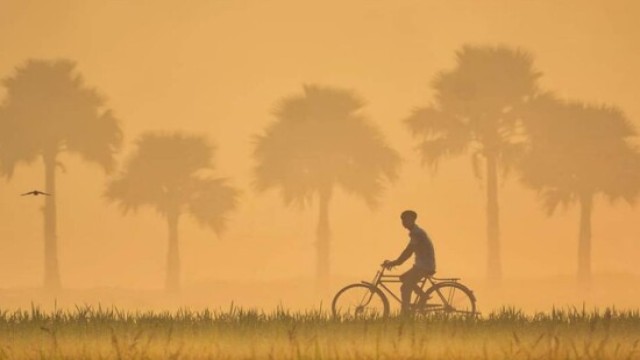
x=358, y=301
x=449, y=298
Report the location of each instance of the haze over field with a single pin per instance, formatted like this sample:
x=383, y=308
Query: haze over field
x=220, y=69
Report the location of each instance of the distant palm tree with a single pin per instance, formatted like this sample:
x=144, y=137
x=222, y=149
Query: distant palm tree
x=49, y=110
x=475, y=110
x=576, y=152
x=172, y=173
x=319, y=141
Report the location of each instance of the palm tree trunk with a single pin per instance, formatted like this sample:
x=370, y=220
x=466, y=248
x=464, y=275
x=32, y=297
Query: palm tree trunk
x=172, y=283
x=584, y=241
x=51, y=268
x=323, y=243
x=494, y=262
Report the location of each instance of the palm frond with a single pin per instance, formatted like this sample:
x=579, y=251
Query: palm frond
x=440, y=135
x=211, y=200
x=16, y=143
x=510, y=156
x=434, y=150
x=97, y=139
x=428, y=121
x=553, y=198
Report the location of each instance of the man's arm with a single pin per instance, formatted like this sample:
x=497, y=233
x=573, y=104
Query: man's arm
x=404, y=256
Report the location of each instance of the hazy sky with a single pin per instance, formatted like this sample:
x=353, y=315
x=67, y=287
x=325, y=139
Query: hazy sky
x=220, y=67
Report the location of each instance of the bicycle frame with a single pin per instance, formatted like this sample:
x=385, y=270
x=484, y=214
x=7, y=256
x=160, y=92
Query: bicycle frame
x=381, y=279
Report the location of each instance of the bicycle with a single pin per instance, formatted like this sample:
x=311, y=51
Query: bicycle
x=367, y=299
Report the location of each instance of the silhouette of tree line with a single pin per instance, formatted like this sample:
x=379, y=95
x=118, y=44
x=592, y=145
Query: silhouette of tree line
x=489, y=106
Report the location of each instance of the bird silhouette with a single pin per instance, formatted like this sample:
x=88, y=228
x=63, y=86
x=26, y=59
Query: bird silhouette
x=35, y=193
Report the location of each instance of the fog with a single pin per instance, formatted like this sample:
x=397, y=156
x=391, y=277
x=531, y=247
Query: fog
x=221, y=68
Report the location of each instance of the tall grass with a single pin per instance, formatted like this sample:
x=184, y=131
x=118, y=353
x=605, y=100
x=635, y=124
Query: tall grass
x=236, y=333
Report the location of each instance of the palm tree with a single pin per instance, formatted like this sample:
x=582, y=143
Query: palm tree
x=49, y=110
x=172, y=173
x=475, y=111
x=321, y=140
x=577, y=152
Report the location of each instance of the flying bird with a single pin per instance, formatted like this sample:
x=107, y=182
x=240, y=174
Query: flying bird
x=35, y=193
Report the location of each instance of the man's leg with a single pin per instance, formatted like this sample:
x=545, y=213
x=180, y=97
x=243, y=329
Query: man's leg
x=409, y=284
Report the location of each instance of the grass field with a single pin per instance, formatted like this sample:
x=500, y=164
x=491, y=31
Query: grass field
x=99, y=333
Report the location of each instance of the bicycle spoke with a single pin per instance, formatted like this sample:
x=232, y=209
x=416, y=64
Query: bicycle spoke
x=450, y=297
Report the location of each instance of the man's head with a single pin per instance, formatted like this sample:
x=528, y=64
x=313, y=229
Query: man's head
x=408, y=218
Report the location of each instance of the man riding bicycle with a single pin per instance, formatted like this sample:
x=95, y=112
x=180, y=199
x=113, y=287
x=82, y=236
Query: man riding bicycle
x=370, y=299
x=425, y=263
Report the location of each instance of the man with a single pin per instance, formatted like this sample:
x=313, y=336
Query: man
x=425, y=263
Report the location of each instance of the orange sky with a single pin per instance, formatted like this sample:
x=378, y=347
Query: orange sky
x=219, y=67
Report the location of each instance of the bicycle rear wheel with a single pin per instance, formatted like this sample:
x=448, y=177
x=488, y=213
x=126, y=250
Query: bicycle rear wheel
x=448, y=298
x=359, y=301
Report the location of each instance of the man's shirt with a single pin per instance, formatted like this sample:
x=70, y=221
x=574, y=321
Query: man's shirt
x=423, y=249
x=421, y=246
